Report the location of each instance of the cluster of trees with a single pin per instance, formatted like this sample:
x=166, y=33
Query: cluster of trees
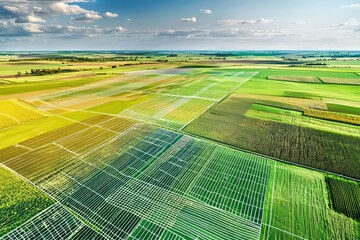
x=309, y=65
x=48, y=71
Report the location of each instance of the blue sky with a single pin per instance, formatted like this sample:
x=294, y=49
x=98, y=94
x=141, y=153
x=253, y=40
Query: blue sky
x=179, y=24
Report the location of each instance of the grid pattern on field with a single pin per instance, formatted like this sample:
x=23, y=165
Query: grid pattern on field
x=234, y=181
x=227, y=179
x=88, y=198
x=53, y=223
x=213, y=87
x=40, y=162
x=168, y=110
x=174, y=211
x=107, y=124
x=150, y=179
x=175, y=109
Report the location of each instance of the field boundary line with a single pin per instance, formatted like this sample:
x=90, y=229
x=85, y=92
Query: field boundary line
x=281, y=230
x=11, y=117
x=22, y=146
x=86, y=124
x=47, y=144
x=80, y=156
x=60, y=146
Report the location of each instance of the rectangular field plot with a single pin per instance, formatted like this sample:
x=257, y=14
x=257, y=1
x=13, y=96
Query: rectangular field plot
x=303, y=79
x=212, y=87
x=298, y=207
x=170, y=111
x=152, y=186
x=88, y=95
x=234, y=182
x=347, y=81
x=119, y=105
x=345, y=196
x=41, y=162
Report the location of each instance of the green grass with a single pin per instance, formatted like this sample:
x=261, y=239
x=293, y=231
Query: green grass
x=299, y=204
x=19, y=201
x=261, y=85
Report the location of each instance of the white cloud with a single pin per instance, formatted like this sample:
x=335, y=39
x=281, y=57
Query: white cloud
x=12, y=9
x=88, y=17
x=187, y=20
x=120, y=29
x=110, y=15
x=33, y=28
x=29, y=19
x=206, y=11
x=233, y=22
x=232, y=33
x=67, y=9
x=355, y=5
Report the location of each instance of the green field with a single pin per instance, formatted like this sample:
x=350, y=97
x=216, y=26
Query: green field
x=300, y=207
x=155, y=145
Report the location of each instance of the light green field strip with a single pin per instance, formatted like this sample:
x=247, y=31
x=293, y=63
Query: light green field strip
x=261, y=85
x=296, y=118
x=17, y=134
x=297, y=207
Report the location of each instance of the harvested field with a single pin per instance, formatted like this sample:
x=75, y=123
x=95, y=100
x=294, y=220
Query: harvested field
x=347, y=81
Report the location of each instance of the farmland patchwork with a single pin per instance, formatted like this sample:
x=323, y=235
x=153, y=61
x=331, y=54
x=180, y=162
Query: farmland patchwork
x=204, y=151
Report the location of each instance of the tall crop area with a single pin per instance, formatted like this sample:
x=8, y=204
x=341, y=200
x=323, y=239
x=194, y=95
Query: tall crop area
x=345, y=197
